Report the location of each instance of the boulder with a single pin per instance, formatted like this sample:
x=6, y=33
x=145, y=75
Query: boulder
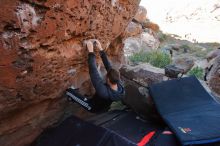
x=146, y=41
x=136, y=80
x=138, y=99
x=133, y=29
x=141, y=15
x=173, y=71
x=184, y=63
x=42, y=54
x=213, y=54
x=213, y=77
x=150, y=25
x=140, y=34
x=144, y=74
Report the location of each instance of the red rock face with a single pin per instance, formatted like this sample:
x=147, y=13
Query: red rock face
x=42, y=54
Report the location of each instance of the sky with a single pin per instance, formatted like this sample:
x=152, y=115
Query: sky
x=191, y=19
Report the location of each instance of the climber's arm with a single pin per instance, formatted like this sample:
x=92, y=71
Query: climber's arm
x=105, y=60
x=104, y=57
x=96, y=79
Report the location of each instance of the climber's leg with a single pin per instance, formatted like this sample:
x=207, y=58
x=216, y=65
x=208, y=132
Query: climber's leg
x=73, y=95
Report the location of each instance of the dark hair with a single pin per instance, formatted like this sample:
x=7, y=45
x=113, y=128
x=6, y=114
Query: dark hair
x=113, y=75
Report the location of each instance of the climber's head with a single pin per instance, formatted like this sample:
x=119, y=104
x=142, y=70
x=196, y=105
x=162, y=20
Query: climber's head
x=113, y=77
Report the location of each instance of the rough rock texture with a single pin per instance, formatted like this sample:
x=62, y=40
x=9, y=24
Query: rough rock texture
x=42, y=54
x=140, y=34
x=133, y=29
x=213, y=54
x=184, y=63
x=153, y=26
x=143, y=42
x=213, y=77
x=141, y=15
x=143, y=74
x=136, y=80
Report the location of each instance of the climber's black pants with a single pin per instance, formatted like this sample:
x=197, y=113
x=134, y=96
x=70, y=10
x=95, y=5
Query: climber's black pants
x=95, y=104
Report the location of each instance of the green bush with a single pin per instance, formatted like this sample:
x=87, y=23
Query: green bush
x=198, y=72
x=185, y=46
x=155, y=58
x=162, y=37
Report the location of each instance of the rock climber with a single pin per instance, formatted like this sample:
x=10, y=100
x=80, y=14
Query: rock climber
x=106, y=91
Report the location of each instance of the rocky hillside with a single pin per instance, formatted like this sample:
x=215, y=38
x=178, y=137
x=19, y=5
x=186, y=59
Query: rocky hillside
x=196, y=20
x=145, y=39
x=42, y=54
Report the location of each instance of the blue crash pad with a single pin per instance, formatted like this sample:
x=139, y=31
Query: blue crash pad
x=191, y=113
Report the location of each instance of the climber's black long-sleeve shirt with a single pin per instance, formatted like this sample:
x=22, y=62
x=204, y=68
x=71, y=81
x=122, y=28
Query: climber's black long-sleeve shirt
x=102, y=89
